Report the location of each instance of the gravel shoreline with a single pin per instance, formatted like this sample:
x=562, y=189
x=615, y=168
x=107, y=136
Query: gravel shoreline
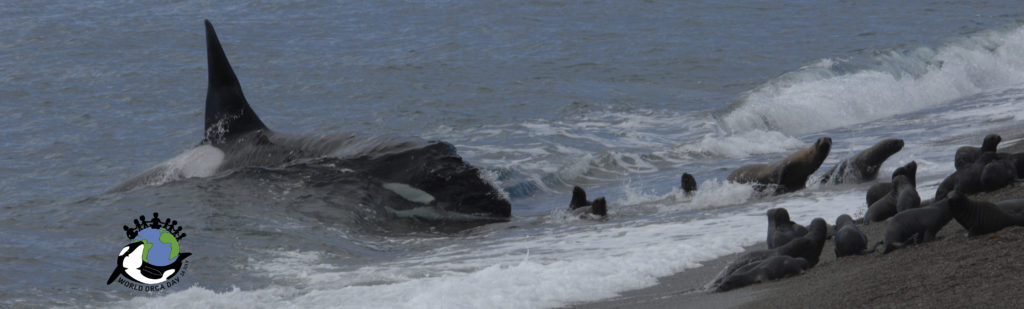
x=952, y=272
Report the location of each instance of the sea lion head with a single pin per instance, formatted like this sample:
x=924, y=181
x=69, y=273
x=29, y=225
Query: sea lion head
x=843, y=220
x=822, y=146
x=991, y=142
x=909, y=170
x=579, y=198
x=886, y=148
x=819, y=229
x=689, y=183
x=778, y=215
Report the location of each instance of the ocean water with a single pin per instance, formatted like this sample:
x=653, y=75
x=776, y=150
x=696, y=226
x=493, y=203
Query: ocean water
x=619, y=97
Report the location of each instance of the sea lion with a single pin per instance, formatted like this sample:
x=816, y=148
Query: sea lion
x=773, y=268
x=579, y=198
x=581, y=207
x=689, y=184
x=967, y=154
x=980, y=217
x=789, y=174
x=903, y=197
x=906, y=194
x=879, y=190
x=916, y=225
x=863, y=166
x=781, y=229
x=848, y=239
x=1014, y=207
x=807, y=247
x=990, y=172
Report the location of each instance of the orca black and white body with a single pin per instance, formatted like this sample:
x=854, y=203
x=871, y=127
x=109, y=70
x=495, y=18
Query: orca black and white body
x=420, y=174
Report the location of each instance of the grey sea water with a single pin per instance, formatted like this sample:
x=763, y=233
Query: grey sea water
x=618, y=97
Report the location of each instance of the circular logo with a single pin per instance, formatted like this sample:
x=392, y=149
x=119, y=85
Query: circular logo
x=152, y=260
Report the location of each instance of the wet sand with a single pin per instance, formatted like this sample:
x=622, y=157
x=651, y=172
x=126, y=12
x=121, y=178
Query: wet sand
x=952, y=272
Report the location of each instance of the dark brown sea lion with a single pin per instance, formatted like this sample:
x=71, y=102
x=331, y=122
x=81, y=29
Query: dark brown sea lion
x=903, y=197
x=689, y=184
x=789, y=174
x=879, y=190
x=990, y=172
x=863, y=166
x=967, y=154
x=580, y=206
x=916, y=225
x=980, y=217
x=781, y=229
x=807, y=247
x=772, y=268
x=848, y=239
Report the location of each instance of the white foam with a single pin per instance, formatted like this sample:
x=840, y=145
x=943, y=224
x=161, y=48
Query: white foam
x=820, y=97
x=582, y=261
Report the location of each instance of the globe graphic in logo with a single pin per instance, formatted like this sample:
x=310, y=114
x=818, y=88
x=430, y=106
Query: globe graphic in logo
x=160, y=247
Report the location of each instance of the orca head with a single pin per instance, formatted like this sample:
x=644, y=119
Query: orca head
x=126, y=252
x=228, y=114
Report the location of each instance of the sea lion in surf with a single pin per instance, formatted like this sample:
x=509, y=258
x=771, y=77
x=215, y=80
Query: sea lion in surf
x=980, y=217
x=903, y=197
x=689, y=184
x=411, y=174
x=790, y=173
x=967, y=155
x=781, y=229
x=917, y=225
x=581, y=207
x=879, y=190
x=807, y=247
x=848, y=239
x=863, y=166
x=772, y=268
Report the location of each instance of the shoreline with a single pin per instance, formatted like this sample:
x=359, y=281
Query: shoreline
x=952, y=271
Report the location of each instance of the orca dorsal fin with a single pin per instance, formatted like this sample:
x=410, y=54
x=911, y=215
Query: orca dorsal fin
x=227, y=112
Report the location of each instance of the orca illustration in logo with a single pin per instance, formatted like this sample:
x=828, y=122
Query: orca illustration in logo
x=153, y=259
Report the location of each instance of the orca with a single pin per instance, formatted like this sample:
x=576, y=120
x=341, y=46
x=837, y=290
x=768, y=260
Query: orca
x=417, y=173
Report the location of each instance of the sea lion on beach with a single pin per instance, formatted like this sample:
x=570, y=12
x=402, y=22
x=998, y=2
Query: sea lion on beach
x=689, y=184
x=967, y=154
x=980, y=217
x=906, y=194
x=781, y=229
x=903, y=197
x=848, y=239
x=789, y=174
x=1013, y=207
x=863, y=166
x=879, y=190
x=773, y=268
x=917, y=225
x=580, y=206
x=990, y=172
x=807, y=247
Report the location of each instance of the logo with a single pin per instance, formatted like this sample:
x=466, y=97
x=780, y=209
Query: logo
x=152, y=261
